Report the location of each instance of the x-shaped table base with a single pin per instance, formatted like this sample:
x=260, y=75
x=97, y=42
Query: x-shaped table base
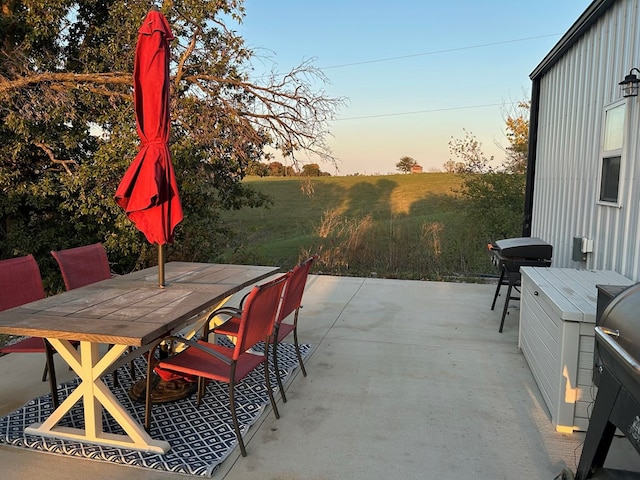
x=95, y=395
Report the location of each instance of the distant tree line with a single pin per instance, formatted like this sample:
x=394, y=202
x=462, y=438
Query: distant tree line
x=277, y=169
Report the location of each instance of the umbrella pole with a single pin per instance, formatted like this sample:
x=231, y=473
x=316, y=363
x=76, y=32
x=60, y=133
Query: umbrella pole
x=161, y=266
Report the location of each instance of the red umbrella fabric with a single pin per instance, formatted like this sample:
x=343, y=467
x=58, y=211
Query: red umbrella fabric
x=148, y=191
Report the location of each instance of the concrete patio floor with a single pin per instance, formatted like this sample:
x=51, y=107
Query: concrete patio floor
x=408, y=380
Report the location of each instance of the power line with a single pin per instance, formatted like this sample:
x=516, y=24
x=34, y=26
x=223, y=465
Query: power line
x=426, y=111
x=435, y=52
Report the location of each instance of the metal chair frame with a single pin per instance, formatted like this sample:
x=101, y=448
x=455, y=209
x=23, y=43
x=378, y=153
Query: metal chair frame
x=205, y=360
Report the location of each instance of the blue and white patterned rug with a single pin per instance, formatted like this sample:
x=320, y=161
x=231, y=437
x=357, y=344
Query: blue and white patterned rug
x=200, y=437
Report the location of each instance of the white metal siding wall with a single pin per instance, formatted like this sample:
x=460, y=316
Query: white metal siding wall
x=573, y=96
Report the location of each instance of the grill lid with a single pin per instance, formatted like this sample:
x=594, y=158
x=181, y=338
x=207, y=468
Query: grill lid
x=618, y=339
x=523, y=247
x=623, y=315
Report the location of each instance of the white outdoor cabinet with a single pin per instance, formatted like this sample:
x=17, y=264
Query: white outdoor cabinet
x=556, y=336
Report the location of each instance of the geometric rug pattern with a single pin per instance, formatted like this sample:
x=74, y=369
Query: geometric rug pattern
x=200, y=437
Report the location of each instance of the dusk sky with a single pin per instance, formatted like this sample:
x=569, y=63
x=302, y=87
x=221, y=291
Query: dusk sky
x=415, y=73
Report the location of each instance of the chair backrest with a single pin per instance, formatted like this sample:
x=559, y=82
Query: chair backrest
x=259, y=314
x=20, y=282
x=294, y=290
x=81, y=266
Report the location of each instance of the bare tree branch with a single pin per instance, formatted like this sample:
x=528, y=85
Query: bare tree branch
x=67, y=79
x=64, y=163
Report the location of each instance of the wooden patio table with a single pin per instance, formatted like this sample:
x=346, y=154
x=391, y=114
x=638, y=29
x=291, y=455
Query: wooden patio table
x=125, y=311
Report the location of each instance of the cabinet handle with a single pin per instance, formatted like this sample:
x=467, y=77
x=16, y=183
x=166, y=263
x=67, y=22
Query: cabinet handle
x=535, y=293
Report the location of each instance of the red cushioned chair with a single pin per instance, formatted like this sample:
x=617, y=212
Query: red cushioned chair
x=291, y=302
x=206, y=360
x=82, y=266
x=20, y=283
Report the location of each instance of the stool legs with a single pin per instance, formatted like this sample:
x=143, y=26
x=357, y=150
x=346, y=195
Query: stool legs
x=514, y=281
x=500, y=283
x=506, y=306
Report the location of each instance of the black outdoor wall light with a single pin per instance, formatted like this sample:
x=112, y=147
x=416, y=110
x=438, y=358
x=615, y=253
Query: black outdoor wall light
x=629, y=86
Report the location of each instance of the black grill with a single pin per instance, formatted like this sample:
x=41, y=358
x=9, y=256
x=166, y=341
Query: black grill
x=617, y=362
x=509, y=255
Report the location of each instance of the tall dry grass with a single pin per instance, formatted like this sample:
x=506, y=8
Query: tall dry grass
x=362, y=247
x=394, y=226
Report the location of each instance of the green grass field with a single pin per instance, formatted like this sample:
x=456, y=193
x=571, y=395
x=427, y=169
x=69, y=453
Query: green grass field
x=393, y=226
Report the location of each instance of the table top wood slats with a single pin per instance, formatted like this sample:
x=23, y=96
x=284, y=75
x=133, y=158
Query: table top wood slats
x=132, y=309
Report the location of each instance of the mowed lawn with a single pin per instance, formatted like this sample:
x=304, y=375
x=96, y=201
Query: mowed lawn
x=283, y=232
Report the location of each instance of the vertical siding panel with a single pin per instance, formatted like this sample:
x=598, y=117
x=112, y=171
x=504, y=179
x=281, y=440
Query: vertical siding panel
x=627, y=214
x=632, y=263
x=588, y=142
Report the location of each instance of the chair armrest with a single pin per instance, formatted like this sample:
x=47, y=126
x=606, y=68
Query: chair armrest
x=199, y=346
x=243, y=299
x=227, y=310
x=231, y=311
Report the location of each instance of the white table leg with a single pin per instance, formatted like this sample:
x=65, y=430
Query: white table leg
x=90, y=367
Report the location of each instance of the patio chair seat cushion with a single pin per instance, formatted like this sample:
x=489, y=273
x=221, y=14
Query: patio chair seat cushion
x=230, y=327
x=196, y=362
x=285, y=329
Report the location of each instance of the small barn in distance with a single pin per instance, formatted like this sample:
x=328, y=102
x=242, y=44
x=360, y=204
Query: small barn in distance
x=583, y=177
x=416, y=168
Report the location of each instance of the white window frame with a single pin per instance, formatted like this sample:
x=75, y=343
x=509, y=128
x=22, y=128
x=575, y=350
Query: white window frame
x=607, y=152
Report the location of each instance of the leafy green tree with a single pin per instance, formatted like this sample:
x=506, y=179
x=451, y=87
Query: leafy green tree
x=451, y=166
x=311, y=170
x=469, y=151
x=258, y=169
x=68, y=128
x=405, y=164
x=494, y=199
x=517, y=131
x=277, y=169
x=495, y=203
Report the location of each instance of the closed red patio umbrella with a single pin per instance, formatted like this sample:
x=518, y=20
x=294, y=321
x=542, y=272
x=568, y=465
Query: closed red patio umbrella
x=148, y=191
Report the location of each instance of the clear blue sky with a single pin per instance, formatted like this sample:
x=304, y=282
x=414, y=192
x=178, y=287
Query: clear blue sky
x=415, y=72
